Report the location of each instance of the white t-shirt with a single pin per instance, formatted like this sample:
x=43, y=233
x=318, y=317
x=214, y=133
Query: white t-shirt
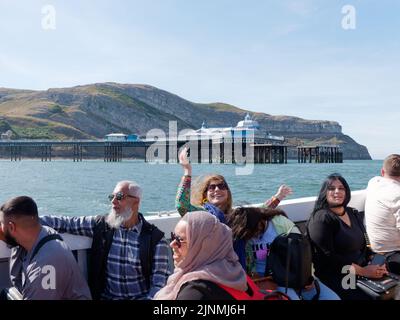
x=260, y=247
x=382, y=214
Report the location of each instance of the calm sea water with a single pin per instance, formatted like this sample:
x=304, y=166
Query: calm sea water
x=70, y=188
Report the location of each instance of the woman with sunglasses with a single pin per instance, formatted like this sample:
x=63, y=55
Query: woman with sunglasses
x=338, y=236
x=212, y=194
x=204, y=259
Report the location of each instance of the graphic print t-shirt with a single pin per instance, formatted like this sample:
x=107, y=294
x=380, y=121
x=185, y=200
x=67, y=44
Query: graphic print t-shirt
x=260, y=247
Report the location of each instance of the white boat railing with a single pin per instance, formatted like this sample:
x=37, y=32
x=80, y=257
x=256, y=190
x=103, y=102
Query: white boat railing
x=298, y=210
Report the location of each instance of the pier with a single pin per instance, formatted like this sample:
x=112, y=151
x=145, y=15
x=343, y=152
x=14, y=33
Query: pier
x=319, y=154
x=46, y=150
x=270, y=153
x=224, y=150
x=201, y=151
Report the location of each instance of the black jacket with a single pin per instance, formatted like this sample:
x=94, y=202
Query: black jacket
x=103, y=234
x=336, y=244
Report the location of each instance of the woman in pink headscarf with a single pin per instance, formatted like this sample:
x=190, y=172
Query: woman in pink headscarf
x=203, y=257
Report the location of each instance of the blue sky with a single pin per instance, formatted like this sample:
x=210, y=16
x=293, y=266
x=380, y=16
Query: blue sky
x=278, y=57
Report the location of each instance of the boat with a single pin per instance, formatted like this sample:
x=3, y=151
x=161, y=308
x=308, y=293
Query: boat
x=298, y=210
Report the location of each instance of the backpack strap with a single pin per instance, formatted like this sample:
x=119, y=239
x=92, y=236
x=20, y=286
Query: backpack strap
x=288, y=256
x=43, y=241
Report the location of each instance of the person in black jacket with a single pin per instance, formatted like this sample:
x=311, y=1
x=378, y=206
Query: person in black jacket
x=338, y=238
x=204, y=259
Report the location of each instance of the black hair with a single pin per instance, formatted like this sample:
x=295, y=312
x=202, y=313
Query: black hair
x=19, y=207
x=321, y=202
x=244, y=221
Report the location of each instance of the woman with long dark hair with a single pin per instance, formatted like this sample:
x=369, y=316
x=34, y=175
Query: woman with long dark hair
x=338, y=237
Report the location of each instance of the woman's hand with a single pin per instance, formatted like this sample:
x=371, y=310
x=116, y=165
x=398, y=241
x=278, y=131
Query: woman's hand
x=184, y=161
x=283, y=192
x=373, y=271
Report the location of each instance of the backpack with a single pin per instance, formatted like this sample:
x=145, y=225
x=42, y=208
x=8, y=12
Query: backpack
x=290, y=260
x=254, y=293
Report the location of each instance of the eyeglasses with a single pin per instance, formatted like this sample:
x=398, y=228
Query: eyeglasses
x=221, y=186
x=119, y=196
x=177, y=239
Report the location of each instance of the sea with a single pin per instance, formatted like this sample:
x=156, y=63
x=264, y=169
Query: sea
x=64, y=187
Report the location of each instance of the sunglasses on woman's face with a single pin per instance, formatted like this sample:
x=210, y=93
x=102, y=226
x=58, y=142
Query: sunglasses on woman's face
x=177, y=239
x=213, y=186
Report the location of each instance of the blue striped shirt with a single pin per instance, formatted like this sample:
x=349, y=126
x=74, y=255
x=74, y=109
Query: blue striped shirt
x=124, y=277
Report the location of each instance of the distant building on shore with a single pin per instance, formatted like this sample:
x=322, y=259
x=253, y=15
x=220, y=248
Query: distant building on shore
x=247, y=129
x=7, y=135
x=121, y=137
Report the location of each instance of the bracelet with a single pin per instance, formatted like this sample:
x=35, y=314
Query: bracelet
x=275, y=199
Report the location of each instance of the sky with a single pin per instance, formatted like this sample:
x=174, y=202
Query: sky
x=314, y=59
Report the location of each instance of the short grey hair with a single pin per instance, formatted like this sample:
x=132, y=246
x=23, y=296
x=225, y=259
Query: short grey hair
x=134, y=189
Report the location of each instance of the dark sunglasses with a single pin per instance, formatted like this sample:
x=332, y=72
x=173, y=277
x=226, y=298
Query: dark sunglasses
x=177, y=239
x=119, y=196
x=221, y=186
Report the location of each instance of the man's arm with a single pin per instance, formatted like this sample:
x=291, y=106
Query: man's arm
x=161, y=268
x=82, y=226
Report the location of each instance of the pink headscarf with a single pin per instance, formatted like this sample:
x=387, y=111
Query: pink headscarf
x=210, y=256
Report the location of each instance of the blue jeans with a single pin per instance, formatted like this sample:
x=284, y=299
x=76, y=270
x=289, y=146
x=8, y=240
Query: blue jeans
x=325, y=294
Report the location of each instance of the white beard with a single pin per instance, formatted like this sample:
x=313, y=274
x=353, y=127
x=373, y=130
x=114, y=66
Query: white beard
x=115, y=220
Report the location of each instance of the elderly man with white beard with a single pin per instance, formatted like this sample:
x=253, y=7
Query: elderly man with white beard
x=129, y=256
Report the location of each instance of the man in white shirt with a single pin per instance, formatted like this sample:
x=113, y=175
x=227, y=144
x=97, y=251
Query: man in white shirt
x=382, y=207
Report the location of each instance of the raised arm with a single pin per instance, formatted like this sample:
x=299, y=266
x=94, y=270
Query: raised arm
x=282, y=193
x=185, y=163
x=82, y=226
x=182, y=200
